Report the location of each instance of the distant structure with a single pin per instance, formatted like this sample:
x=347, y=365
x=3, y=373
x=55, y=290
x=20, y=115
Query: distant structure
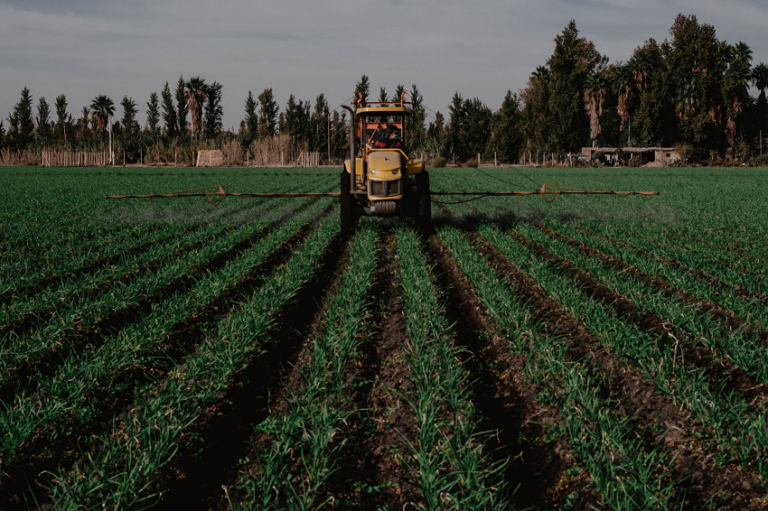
x=658, y=156
x=210, y=158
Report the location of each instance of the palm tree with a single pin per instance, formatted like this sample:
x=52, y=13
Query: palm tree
x=622, y=83
x=760, y=78
x=739, y=77
x=103, y=108
x=595, y=87
x=640, y=64
x=196, y=91
x=686, y=98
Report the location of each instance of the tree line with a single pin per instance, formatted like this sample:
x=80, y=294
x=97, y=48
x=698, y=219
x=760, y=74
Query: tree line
x=692, y=89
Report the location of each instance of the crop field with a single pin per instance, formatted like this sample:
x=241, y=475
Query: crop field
x=595, y=352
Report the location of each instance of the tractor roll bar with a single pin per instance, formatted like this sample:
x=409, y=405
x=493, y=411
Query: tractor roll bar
x=352, y=152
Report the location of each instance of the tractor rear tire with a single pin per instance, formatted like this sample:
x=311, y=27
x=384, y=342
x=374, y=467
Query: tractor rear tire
x=347, y=206
x=424, y=203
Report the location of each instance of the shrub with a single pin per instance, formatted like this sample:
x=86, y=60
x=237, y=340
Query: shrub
x=471, y=163
x=635, y=161
x=439, y=162
x=684, y=150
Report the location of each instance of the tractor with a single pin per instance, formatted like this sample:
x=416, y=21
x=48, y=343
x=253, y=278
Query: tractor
x=383, y=181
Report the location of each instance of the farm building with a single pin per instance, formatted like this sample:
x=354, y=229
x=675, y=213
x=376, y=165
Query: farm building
x=660, y=156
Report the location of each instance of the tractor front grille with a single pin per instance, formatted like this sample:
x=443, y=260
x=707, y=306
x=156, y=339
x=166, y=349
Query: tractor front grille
x=385, y=188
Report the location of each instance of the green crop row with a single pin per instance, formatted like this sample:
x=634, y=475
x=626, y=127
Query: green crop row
x=59, y=259
x=749, y=309
x=727, y=413
x=172, y=239
x=127, y=460
x=17, y=348
x=723, y=414
x=601, y=440
x=694, y=250
x=58, y=399
x=741, y=347
x=449, y=464
x=294, y=467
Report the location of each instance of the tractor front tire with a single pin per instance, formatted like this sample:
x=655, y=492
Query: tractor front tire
x=424, y=203
x=347, y=206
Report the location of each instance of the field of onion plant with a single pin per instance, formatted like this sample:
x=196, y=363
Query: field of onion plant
x=594, y=352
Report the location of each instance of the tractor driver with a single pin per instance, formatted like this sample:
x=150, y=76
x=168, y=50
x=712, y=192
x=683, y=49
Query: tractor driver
x=390, y=140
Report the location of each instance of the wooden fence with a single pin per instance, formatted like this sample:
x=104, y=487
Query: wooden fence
x=58, y=158
x=309, y=159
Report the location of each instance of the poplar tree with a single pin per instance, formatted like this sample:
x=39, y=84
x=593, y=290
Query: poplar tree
x=129, y=116
x=214, y=112
x=398, y=93
x=454, y=142
x=476, y=129
x=383, y=99
x=21, y=126
x=291, y=118
x=573, y=60
x=182, y=110
x=363, y=87
x=508, y=139
x=340, y=136
x=416, y=124
x=320, y=123
x=169, y=113
x=251, y=118
x=153, y=112
x=43, y=120
x=63, y=119
x=267, y=114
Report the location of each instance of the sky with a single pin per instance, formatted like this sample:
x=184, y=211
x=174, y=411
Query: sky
x=480, y=48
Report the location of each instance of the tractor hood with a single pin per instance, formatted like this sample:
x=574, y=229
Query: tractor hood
x=384, y=165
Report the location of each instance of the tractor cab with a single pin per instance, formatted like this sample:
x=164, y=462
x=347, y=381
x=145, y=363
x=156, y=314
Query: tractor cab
x=384, y=180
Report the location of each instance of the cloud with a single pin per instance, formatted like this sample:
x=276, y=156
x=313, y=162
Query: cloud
x=82, y=48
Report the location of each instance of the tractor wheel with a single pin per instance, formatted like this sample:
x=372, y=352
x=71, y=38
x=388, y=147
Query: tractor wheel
x=424, y=203
x=348, y=213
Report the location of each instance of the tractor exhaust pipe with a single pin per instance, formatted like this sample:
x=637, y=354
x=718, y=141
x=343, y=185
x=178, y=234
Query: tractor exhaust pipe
x=352, y=152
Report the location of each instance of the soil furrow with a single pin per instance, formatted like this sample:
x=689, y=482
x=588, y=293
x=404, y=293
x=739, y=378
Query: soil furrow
x=93, y=335
x=370, y=474
x=182, y=338
x=654, y=414
x=356, y=461
x=699, y=274
x=537, y=469
x=218, y=439
x=730, y=318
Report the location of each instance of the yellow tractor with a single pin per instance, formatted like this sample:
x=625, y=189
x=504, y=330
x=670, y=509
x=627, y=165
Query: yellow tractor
x=383, y=181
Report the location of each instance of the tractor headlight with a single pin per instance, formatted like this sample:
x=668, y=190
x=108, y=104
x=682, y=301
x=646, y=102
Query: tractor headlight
x=374, y=171
x=396, y=171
